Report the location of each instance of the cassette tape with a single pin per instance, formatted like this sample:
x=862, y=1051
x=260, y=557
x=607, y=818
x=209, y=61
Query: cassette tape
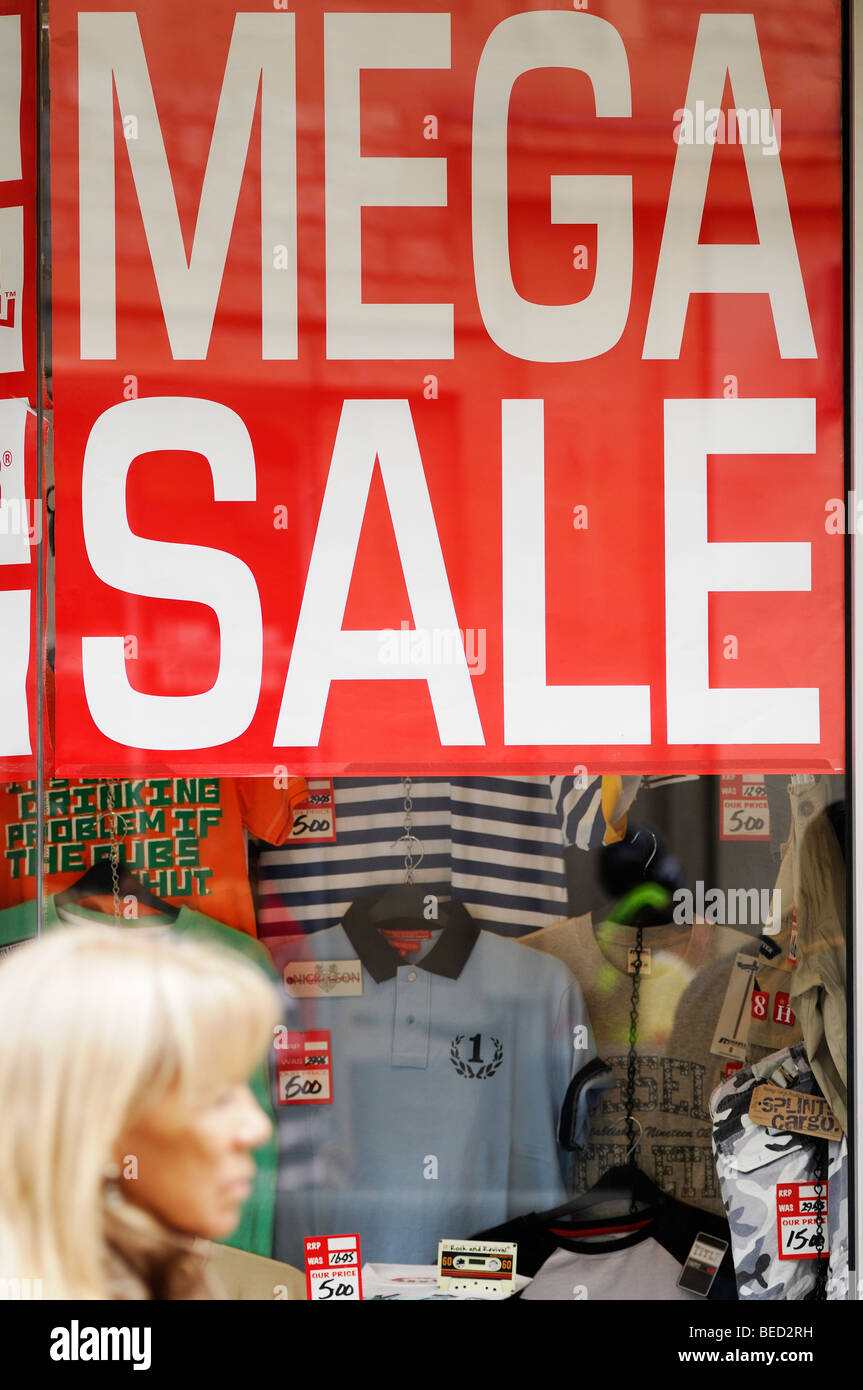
x=483, y=1268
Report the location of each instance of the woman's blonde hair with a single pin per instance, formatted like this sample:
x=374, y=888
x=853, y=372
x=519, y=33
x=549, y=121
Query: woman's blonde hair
x=96, y=1024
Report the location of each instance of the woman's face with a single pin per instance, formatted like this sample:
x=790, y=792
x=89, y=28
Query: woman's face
x=193, y=1165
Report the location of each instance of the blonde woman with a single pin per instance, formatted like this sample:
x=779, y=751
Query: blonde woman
x=127, y=1122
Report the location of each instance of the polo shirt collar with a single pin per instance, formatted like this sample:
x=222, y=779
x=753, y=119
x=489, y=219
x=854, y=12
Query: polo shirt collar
x=447, y=957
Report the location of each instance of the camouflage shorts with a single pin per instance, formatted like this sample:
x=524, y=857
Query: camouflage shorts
x=752, y=1161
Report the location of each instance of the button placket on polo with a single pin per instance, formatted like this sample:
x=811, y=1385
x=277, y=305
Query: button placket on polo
x=411, y=1025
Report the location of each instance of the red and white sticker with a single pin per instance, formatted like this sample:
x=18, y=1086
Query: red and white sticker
x=798, y=1206
x=743, y=810
x=760, y=1000
x=305, y=1068
x=782, y=1010
x=333, y=1268
x=315, y=818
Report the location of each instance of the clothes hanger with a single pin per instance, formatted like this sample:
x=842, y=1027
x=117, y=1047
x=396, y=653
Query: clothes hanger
x=645, y=895
x=405, y=901
x=97, y=882
x=625, y=1182
x=640, y=861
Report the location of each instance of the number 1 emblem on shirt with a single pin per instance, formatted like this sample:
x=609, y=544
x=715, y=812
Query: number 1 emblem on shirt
x=476, y=1066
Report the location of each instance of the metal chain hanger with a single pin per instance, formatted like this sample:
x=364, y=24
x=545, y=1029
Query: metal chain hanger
x=115, y=848
x=632, y=1059
x=409, y=839
x=822, y=1268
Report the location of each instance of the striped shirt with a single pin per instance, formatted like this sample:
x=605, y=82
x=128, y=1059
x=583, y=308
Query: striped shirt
x=494, y=843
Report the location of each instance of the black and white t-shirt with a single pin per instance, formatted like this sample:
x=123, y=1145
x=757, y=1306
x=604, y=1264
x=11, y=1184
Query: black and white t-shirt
x=594, y=1263
x=494, y=844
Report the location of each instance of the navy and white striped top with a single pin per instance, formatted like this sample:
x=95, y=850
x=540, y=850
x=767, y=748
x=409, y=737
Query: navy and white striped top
x=494, y=843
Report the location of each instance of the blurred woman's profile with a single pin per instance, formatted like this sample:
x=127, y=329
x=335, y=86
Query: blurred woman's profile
x=128, y=1126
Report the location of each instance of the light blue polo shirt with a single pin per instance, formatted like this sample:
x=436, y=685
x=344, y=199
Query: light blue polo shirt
x=449, y=1070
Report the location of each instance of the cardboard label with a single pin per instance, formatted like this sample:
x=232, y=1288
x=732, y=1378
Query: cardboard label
x=480, y=1267
x=645, y=960
x=315, y=818
x=777, y=1107
x=702, y=1264
x=729, y=1039
x=317, y=979
x=798, y=1206
x=744, y=813
x=333, y=1268
x=305, y=1069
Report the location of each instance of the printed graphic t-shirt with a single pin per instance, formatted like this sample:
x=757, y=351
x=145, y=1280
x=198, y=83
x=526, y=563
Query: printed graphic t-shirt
x=676, y=1068
x=181, y=836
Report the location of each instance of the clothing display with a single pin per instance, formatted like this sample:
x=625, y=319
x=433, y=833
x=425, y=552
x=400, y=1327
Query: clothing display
x=446, y=1071
x=676, y=1068
x=459, y=1056
x=18, y=924
x=760, y=1170
x=643, y=1264
x=493, y=843
x=182, y=836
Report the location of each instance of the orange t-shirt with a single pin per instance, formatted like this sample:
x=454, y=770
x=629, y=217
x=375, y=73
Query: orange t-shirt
x=181, y=836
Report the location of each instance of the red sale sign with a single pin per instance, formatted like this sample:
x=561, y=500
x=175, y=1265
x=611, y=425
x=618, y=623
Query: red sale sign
x=448, y=389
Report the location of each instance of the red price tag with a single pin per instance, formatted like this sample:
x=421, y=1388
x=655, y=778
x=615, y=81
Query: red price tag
x=333, y=1268
x=798, y=1207
x=305, y=1068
